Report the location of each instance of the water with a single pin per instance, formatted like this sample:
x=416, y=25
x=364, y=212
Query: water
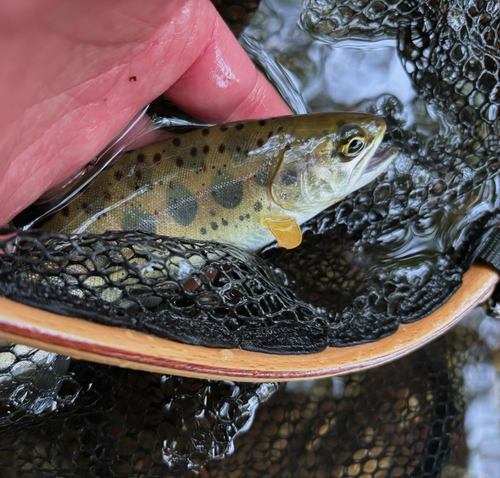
x=335, y=75
x=326, y=73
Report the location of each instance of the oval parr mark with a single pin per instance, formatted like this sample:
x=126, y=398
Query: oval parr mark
x=182, y=204
x=137, y=219
x=227, y=191
x=176, y=142
x=214, y=226
x=262, y=177
x=141, y=158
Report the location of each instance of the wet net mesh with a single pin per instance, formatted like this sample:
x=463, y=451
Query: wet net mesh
x=401, y=419
x=387, y=254
x=203, y=293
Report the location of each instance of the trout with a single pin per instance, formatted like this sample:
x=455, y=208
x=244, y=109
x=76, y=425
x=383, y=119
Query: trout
x=246, y=183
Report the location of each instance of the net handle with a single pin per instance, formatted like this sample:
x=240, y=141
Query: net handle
x=126, y=348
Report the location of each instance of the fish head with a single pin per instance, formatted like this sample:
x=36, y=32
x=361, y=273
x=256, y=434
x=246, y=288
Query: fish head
x=327, y=157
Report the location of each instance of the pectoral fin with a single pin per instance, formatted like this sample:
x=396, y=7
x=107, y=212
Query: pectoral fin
x=286, y=231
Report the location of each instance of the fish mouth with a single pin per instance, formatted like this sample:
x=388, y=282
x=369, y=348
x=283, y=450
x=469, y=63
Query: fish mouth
x=378, y=163
x=381, y=160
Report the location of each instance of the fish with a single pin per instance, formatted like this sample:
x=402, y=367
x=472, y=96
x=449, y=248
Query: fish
x=246, y=183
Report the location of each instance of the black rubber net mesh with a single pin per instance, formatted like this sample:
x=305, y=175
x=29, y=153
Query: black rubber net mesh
x=389, y=253
x=85, y=420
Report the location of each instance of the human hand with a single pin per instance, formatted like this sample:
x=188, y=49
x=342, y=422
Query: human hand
x=75, y=73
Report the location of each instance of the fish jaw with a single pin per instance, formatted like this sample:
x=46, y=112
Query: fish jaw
x=378, y=164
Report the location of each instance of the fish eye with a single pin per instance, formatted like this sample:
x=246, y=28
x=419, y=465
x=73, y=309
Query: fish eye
x=352, y=142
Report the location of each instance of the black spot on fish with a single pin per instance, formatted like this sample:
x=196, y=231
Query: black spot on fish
x=260, y=142
x=206, y=149
x=137, y=219
x=205, y=131
x=241, y=218
x=247, y=216
x=141, y=158
x=157, y=158
x=194, y=151
x=224, y=127
x=227, y=192
x=262, y=123
x=224, y=222
x=203, y=230
x=176, y=142
x=85, y=206
x=118, y=175
x=138, y=174
x=239, y=127
x=65, y=211
x=182, y=204
x=258, y=206
x=270, y=134
x=179, y=162
x=222, y=148
x=238, y=149
x=212, y=213
x=280, y=129
x=107, y=195
x=214, y=225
